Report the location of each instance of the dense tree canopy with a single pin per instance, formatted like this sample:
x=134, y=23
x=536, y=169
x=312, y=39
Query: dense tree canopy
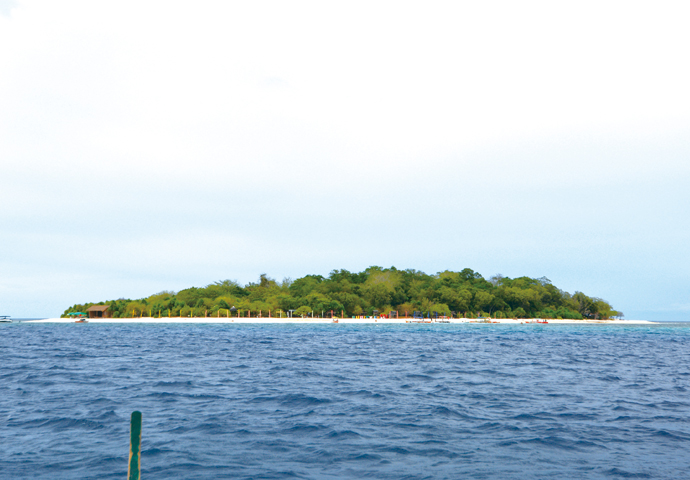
x=375, y=290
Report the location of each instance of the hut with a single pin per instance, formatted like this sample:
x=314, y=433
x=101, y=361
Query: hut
x=99, y=311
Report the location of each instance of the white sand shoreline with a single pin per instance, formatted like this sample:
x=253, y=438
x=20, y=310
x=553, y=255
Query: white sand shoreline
x=254, y=320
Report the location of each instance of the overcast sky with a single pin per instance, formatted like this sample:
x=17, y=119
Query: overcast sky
x=149, y=145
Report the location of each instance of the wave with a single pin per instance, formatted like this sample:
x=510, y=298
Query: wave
x=344, y=434
x=59, y=424
x=562, y=443
x=617, y=472
x=293, y=400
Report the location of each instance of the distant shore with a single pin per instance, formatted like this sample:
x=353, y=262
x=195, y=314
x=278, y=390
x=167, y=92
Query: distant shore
x=201, y=320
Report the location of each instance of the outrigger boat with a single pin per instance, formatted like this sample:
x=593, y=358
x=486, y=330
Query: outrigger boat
x=80, y=317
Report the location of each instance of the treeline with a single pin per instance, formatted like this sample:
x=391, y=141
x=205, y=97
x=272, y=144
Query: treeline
x=374, y=291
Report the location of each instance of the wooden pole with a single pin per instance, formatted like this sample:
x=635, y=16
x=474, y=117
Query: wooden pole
x=134, y=469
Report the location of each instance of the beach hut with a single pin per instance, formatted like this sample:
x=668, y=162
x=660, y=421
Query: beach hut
x=99, y=311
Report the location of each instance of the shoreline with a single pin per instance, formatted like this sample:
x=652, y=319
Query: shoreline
x=266, y=320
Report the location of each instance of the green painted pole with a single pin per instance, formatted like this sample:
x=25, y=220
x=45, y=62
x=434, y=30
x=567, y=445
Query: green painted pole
x=134, y=470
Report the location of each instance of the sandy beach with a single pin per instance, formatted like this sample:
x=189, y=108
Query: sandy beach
x=203, y=320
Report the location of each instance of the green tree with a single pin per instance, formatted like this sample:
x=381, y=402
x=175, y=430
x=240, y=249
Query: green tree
x=303, y=311
x=376, y=288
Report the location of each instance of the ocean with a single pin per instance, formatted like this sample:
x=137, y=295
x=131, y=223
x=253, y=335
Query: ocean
x=346, y=401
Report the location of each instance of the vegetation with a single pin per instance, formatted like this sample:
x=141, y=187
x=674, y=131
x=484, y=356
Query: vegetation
x=374, y=291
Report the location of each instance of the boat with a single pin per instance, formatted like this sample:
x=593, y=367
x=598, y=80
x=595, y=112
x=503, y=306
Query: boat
x=5, y=319
x=79, y=316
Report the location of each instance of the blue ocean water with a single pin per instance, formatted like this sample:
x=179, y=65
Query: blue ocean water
x=346, y=401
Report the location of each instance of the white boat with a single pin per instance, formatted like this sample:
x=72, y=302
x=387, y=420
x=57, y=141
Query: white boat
x=5, y=319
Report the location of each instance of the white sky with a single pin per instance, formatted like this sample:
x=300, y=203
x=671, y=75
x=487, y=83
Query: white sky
x=159, y=145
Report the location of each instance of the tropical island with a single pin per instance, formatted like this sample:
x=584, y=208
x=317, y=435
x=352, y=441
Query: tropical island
x=373, y=293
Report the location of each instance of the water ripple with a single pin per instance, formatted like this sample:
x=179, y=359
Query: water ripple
x=346, y=401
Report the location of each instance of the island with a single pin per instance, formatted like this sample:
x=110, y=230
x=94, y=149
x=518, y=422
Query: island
x=378, y=294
